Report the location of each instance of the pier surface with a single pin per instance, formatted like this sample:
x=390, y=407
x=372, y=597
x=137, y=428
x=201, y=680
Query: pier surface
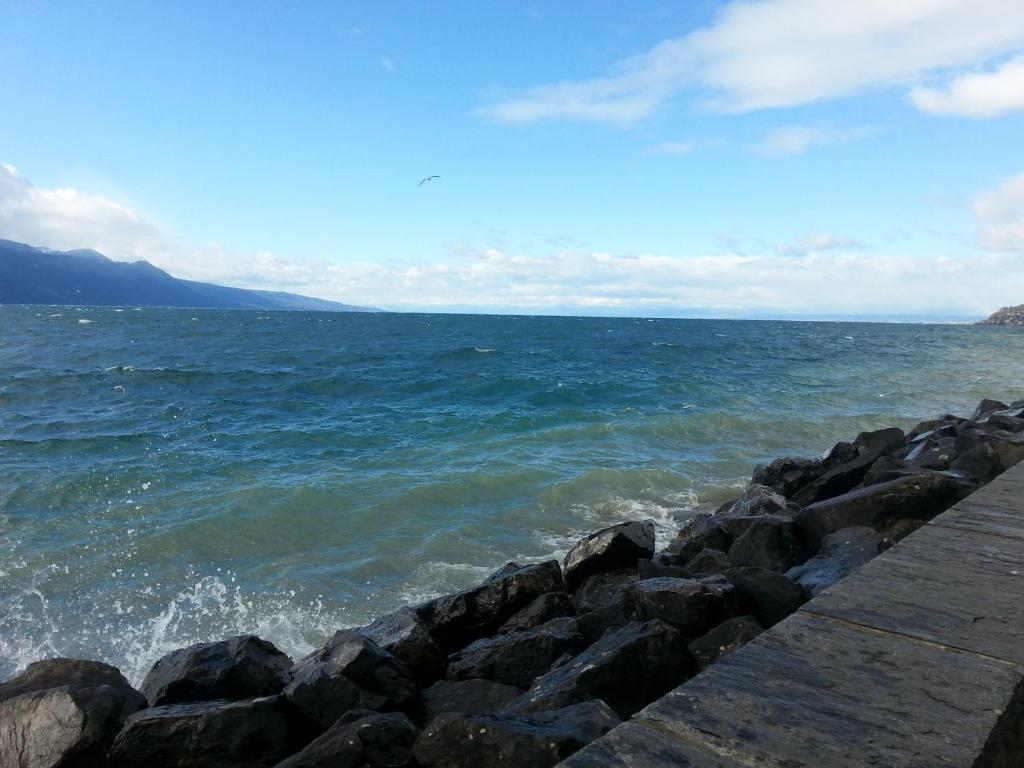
x=916, y=660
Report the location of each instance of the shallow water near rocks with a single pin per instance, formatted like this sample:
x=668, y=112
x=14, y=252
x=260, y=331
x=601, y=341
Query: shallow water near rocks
x=177, y=476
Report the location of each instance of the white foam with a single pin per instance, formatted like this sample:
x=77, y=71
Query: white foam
x=83, y=321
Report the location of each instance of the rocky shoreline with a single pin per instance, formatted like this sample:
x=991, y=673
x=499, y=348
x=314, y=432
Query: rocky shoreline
x=539, y=659
x=1006, y=316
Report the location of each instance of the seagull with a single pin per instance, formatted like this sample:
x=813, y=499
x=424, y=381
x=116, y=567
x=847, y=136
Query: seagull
x=429, y=178
x=118, y=388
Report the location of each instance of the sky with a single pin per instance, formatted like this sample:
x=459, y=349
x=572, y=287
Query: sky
x=780, y=158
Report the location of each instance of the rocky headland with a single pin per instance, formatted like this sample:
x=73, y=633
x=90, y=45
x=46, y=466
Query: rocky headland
x=1006, y=316
x=539, y=659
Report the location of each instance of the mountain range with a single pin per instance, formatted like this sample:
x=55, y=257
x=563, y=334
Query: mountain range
x=31, y=275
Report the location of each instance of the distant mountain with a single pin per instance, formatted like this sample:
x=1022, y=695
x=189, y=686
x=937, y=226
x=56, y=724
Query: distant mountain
x=1006, y=316
x=30, y=275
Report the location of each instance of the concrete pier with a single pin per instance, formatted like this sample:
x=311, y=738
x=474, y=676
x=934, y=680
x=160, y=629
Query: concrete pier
x=916, y=660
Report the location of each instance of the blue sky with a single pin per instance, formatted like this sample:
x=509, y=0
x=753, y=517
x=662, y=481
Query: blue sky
x=783, y=157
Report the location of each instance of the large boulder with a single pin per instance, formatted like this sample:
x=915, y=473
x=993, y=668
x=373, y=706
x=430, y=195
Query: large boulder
x=879, y=441
x=627, y=668
x=606, y=600
x=983, y=455
x=63, y=712
x=768, y=542
x=553, y=605
x=838, y=480
x=702, y=531
x=788, y=475
x=707, y=563
x=768, y=596
x=360, y=739
x=619, y=546
x=454, y=621
x=691, y=606
x=987, y=406
x=517, y=658
x=537, y=739
x=662, y=564
x=243, y=667
x=405, y=635
x=758, y=500
x=723, y=640
x=916, y=496
x=350, y=672
x=841, y=554
x=471, y=697
x=210, y=734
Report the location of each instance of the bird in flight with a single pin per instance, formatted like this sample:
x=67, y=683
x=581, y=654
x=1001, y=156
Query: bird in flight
x=429, y=178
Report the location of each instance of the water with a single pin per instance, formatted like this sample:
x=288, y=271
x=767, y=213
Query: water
x=174, y=476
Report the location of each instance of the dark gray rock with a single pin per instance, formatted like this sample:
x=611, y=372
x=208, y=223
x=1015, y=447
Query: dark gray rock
x=919, y=496
x=723, y=640
x=1003, y=421
x=350, y=672
x=707, y=563
x=898, y=531
x=788, y=475
x=454, y=621
x=987, y=406
x=628, y=668
x=360, y=739
x=242, y=667
x=63, y=712
x=208, y=734
x=768, y=596
x=838, y=480
x=606, y=600
x=983, y=455
x=662, y=564
x=758, y=500
x=404, y=635
x=516, y=658
x=535, y=740
x=768, y=542
x=618, y=546
x=553, y=605
x=879, y=441
x=886, y=469
x=702, y=531
x=689, y=605
x=945, y=425
x=933, y=453
x=471, y=697
x=841, y=554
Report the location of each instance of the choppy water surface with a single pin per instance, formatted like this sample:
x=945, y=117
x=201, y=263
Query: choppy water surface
x=173, y=476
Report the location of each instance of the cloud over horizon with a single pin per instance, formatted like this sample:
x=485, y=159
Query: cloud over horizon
x=786, y=53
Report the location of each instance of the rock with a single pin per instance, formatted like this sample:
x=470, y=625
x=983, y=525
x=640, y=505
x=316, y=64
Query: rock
x=838, y=480
x=360, y=739
x=933, y=453
x=984, y=455
x=628, y=668
x=768, y=595
x=404, y=635
x=788, y=475
x=758, y=500
x=207, y=734
x=723, y=640
x=553, y=605
x=886, y=469
x=932, y=429
x=454, y=621
x=535, y=740
x=987, y=406
x=606, y=600
x=689, y=605
x=879, y=441
x=516, y=658
x=662, y=564
x=898, y=531
x=242, y=667
x=769, y=542
x=1003, y=421
x=920, y=496
x=707, y=563
x=1005, y=316
x=840, y=453
x=702, y=531
x=841, y=554
x=471, y=697
x=619, y=546
x=350, y=672
x=63, y=712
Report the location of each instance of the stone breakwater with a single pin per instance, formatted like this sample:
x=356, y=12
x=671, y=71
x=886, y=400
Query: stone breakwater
x=538, y=660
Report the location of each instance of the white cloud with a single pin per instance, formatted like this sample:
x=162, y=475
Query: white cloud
x=982, y=94
x=1000, y=216
x=819, y=242
x=797, y=139
x=781, y=53
x=388, y=64
x=674, y=148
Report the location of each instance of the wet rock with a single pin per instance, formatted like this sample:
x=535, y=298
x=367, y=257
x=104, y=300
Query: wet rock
x=404, y=635
x=471, y=697
x=628, y=668
x=208, y=734
x=553, y=605
x=1003, y=421
x=838, y=480
x=788, y=475
x=350, y=672
x=662, y=564
x=702, y=531
x=879, y=441
x=360, y=739
x=983, y=455
x=898, y=531
x=933, y=453
x=454, y=621
x=768, y=542
x=63, y=712
x=707, y=563
x=689, y=605
x=537, y=740
x=723, y=640
x=606, y=600
x=516, y=658
x=242, y=667
x=919, y=496
x=987, y=406
x=619, y=546
x=768, y=596
x=886, y=469
x=758, y=500
x=944, y=425
x=841, y=554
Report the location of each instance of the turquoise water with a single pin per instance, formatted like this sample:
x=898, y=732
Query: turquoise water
x=291, y=473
